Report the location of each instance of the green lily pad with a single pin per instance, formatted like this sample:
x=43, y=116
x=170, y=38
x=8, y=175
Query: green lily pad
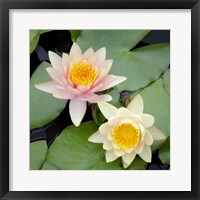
x=38, y=152
x=34, y=38
x=164, y=152
x=115, y=41
x=138, y=164
x=49, y=166
x=114, y=92
x=72, y=150
x=75, y=34
x=141, y=66
x=166, y=81
x=157, y=103
x=43, y=106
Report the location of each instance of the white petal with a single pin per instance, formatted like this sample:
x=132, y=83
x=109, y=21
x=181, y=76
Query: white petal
x=110, y=156
x=104, y=128
x=101, y=54
x=124, y=112
x=129, y=150
x=113, y=121
x=97, y=137
x=139, y=148
x=63, y=94
x=77, y=109
x=125, y=165
x=156, y=133
x=88, y=54
x=49, y=86
x=136, y=106
x=116, y=80
x=107, y=145
x=75, y=50
x=146, y=153
x=147, y=120
x=148, y=139
x=142, y=130
x=129, y=157
x=107, y=109
x=55, y=60
x=119, y=152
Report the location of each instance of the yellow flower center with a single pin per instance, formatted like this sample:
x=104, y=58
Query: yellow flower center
x=83, y=73
x=125, y=136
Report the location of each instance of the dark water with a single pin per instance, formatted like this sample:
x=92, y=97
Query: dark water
x=60, y=41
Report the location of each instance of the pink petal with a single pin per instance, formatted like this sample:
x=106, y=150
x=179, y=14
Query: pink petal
x=63, y=94
x=75, y=50
x=77, y=109
x=55, y=60
x=94, y=98
x=96, y=88
x=101, y=54
x=66, y=60
x=57, y=76
x=88, y=54
x=76, y=59
x=49, y=86
x=111, y=80
x=104, y=67
x=93, y=60
x=73, y=90
x=83, y=88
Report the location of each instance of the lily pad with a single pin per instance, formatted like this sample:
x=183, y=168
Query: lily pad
x=157, y=103
x=115, y=41
x=38, y=152
x=34, y=38
x=72, y=150
x=43, y=106
x=49, y=166
x=166, y=81
x=74, y=34
x=164, y=152
x=141, y=66
x=138, y=164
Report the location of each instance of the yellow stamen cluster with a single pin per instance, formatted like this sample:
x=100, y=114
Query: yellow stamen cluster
x=125, y=136
x=83, y=73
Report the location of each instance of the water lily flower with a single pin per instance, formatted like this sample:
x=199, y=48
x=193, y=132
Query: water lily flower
x=78, y=77
x=127, y=133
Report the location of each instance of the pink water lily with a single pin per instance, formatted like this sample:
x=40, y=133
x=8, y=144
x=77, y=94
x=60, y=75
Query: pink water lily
x=78, y=77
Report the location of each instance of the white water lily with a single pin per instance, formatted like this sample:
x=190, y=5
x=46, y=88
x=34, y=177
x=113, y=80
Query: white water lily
x=79, y=77
x=127, y=133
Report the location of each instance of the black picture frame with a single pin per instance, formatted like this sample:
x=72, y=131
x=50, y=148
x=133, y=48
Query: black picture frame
x=5, y=5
